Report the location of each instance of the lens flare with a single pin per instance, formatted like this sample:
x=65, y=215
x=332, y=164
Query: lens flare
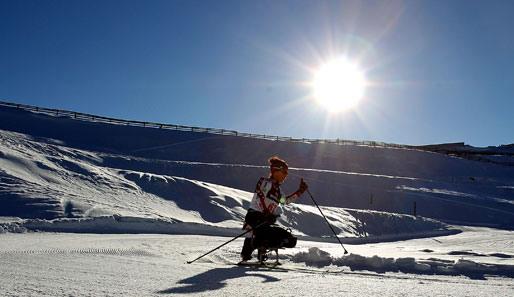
x=339, y=85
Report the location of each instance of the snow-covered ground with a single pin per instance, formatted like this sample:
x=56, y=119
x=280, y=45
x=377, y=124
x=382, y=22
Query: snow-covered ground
x=94, y=209
x=64, y=264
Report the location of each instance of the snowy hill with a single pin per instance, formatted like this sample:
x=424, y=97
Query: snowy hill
x=59, y=167
x=57, y=188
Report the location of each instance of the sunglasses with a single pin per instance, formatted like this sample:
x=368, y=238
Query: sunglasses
x=284, y=170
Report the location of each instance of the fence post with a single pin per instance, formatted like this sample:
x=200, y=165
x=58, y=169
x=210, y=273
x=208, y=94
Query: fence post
x=415, y=210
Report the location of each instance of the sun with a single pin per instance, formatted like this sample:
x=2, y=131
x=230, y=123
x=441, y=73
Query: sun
x=339, y=85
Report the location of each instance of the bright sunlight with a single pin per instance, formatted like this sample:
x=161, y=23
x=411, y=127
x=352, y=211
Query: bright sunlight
x=339, y=85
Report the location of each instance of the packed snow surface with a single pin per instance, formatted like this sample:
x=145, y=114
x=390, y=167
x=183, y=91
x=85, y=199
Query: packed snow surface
x=64, y=264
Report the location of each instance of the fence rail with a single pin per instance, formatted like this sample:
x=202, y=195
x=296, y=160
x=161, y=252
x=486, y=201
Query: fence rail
x=96, y=118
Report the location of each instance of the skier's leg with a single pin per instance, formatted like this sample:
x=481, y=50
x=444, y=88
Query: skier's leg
x=252, y=219
x=246, y=252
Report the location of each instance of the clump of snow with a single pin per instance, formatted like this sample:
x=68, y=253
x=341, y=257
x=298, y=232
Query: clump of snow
x=319, y=258
x=12, y=227
x=468, y=266
x=410, y=264
x=314, y=257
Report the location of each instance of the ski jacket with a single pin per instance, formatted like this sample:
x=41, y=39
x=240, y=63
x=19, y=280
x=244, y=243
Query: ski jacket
x=268, y=196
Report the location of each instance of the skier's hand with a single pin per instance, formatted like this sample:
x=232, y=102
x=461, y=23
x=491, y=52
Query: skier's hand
x=303, y=186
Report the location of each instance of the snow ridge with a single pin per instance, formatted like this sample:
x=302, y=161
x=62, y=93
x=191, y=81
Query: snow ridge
x=318, y=258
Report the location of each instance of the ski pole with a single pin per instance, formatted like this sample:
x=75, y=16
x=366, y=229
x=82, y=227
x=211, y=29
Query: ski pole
x=189, y=262
x=345, y=251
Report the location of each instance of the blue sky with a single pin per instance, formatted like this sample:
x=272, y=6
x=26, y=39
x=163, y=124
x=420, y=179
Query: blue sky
x=438, y=71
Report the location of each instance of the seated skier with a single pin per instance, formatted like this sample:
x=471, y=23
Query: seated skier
x=261, y=213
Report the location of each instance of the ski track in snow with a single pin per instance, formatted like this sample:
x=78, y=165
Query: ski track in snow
x=61, y=264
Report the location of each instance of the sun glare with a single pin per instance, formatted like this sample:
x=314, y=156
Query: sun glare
x=339, y=85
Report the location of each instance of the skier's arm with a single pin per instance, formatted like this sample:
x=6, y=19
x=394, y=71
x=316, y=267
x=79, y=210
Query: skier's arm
x=258, y=189
x=292, y=197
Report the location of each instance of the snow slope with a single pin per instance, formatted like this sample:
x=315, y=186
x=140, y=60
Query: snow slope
x=58, y=188
x=109, y=157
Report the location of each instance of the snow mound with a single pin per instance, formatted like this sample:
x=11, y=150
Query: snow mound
x=316, y=257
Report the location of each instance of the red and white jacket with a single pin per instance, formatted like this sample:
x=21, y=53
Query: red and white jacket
x=268, y=196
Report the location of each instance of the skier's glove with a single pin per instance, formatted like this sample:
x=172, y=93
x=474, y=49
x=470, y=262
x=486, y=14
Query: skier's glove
x=303, y=186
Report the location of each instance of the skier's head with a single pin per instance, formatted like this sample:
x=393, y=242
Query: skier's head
x=279, y=169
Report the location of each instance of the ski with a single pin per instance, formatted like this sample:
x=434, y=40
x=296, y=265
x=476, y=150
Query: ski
x=258, y=264
x=279, y=267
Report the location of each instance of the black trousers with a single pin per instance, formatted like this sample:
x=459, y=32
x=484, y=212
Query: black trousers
x=266, y=235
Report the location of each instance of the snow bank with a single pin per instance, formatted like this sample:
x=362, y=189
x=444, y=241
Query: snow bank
x=117, y=225
x=12, y=228
x=319, y=258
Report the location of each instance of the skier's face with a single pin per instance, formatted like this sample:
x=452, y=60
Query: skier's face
x=280, y=175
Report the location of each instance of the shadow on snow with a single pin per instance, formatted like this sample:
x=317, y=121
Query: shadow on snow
x=215, y=279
